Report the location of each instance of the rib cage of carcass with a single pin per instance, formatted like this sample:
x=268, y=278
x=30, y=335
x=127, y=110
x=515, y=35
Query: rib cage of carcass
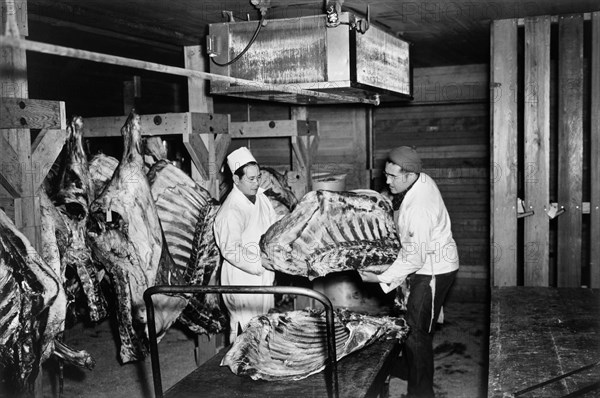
x=32, y=309
x=186, y=212
x=292, y=345
x=331, y=232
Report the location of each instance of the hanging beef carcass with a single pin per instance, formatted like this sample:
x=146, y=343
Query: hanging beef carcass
x=277, y=190
x=293, y=345
x=72, y=199
x=32, y=305
x=55, y=236
x=331, y=232
x=101, y=169
x=154, y=150
x=127, y=239
x=186, y=212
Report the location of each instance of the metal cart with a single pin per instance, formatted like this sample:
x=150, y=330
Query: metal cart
x=331, y=363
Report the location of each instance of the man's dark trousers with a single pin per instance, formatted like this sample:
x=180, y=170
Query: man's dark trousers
x=418, y=347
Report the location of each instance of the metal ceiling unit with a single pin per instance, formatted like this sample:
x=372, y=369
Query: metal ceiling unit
x=303, y=53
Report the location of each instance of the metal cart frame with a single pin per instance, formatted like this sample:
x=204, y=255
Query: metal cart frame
x=330, y=365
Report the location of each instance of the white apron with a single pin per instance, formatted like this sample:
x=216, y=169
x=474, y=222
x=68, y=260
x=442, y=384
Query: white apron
x=238, y=228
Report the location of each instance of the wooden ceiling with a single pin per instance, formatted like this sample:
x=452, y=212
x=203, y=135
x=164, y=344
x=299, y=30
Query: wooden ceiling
x=442, y=32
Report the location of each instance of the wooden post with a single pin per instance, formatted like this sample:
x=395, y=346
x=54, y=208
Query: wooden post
x=13, y=82
x=570, y=148
x=504, y=152
x=204, y=142
x=129, y=98
x=595, y=156
x=209, y=177
x=304, y=148
x=302, y=184
x=537, y=150
x=299, y=166
x=198, y=100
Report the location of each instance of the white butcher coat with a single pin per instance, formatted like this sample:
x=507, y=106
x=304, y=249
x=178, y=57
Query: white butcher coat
x=424, y=230
x=238, y=226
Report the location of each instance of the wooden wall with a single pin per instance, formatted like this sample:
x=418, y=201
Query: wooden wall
x=342, y=137
x=451, y=133
x=545, y=80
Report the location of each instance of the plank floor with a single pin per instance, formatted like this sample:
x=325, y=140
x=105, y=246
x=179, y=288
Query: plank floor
x=537, y=334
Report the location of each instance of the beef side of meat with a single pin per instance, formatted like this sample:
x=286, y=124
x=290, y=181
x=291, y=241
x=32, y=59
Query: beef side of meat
x=127, y=238
x=331, y=232
x=292, y=345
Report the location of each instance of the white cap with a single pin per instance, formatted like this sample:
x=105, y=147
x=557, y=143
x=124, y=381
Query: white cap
x=238, y=158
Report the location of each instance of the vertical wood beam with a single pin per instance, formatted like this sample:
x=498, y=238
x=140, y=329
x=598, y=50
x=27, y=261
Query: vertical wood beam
x=595, y=155
x=206, y=348
x=570, y=148
x=128, y=97
x=537, y=150
x=15, y=12
x=45, y=150
x=303, y=167
x=301, y=158
x=200, y=102
x=13, y=84
x=503, y=75
x=10, y=172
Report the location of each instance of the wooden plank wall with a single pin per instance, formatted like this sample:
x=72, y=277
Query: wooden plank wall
x=537, y=150
x=342, y=137
x=450, y=84
x=342, y=143
x=268, y=151
x=503, y=78
x=559, y=146
x=453, y=141
x=595, y=155
x=570, y=144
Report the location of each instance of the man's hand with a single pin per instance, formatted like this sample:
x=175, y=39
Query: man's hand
x=369, y=276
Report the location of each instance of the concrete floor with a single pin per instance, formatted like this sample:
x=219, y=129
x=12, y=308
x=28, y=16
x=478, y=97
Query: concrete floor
x=460, y=353
x=460, y=344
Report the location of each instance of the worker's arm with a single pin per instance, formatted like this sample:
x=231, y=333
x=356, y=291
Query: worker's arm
x=415, y=240
x=228, y=236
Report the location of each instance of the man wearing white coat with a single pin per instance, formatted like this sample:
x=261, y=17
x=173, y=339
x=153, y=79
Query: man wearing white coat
x=243, y=218
x=428, y=258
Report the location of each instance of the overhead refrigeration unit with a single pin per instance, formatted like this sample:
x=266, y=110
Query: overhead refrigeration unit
x=305, y=53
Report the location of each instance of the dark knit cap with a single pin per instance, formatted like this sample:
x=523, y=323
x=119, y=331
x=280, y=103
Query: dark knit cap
x=407, y=158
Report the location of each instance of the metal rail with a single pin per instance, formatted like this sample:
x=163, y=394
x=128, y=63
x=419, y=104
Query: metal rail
x=562, y=376
x=7, y=41
x=331, y=365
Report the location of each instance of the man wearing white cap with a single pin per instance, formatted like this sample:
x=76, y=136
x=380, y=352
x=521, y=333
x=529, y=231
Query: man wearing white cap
x=243, y=218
